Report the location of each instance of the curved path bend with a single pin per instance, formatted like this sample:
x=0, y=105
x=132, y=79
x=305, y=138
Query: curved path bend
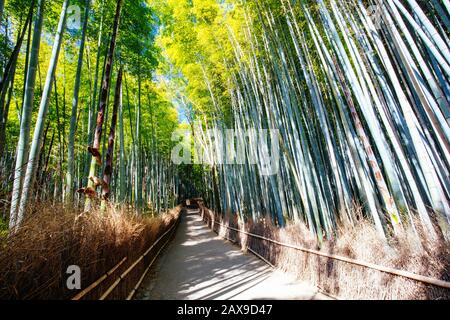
x=198, y=264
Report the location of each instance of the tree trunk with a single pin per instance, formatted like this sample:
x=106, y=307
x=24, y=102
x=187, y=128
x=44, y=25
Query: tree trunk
x=27, y=107
x=4, y=119
x=7, y=82
x=122, y=182
x=94, y=150
x=106, y=187
x=43, y=108
x=137, y=149
x=93, y=105
x=10, y=65
x=70, y=154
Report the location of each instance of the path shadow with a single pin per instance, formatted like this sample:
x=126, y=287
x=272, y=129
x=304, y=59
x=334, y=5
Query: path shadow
x=200, y=265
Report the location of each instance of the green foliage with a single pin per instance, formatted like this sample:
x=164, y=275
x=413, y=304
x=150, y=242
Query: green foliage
x=194, y=37
x=3, y=229
x=136, y=46
x=136, y=53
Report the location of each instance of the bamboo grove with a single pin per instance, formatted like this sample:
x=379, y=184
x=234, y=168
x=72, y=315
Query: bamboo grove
x=358, y=92
x=82, y=121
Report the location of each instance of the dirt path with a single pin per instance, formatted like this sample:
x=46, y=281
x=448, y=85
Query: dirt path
x=200, y=265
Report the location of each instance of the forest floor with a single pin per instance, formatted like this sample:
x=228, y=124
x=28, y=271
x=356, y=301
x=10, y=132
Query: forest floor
x=200, y=265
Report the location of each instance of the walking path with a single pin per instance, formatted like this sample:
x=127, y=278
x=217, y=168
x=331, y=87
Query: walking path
x=198, y=264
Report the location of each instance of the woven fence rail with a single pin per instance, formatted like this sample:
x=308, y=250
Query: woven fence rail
x=161, y=242
x=392, y=271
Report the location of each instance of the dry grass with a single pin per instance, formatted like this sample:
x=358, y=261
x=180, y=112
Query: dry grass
x=34, y=260
x=347, y=281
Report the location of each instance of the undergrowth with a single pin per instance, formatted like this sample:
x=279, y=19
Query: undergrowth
x=418, y=255
x=34, y=260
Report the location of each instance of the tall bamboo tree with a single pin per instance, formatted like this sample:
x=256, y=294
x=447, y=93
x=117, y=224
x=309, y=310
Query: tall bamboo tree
x=30, y=174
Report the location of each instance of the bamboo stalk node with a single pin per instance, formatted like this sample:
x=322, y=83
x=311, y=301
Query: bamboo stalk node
x=87, y=191
x=96, y=154
x=97, y=181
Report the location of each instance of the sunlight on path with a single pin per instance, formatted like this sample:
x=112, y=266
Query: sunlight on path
x=200, y=265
